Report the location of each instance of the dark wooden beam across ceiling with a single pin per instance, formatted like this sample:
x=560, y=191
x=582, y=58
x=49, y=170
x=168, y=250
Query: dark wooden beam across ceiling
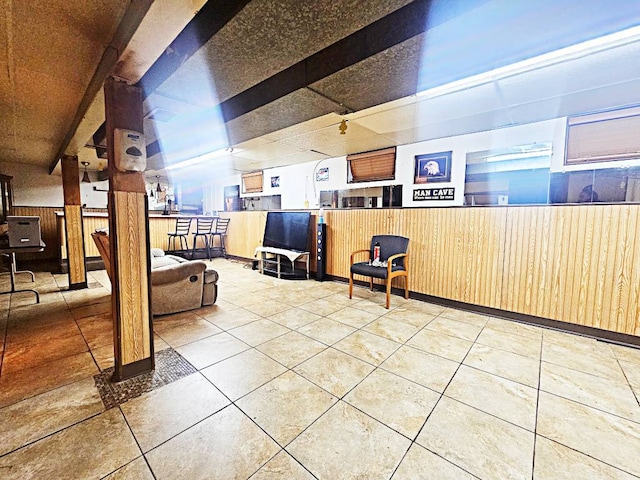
x=395, y=28
x=214, y=15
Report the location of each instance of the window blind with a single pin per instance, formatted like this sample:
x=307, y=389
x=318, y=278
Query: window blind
x=604, y=136
x=372, y=166
x=252, y=182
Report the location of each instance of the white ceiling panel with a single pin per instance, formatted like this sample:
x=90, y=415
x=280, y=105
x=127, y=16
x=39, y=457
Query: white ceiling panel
x=305, y=127
x=391, y=120
x=268, y=151
x=472, y=101
x=358, y=145
x=585, y=73
x=319, y=140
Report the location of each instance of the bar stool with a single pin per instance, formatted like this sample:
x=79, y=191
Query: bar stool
x=203, y=229
x=183, y=225
x=220, y=231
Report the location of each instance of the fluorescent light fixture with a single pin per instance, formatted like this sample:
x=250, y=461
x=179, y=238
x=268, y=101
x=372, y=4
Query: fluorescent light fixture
x=558, y=56
x=520, y=152
x=203, y=158
x=518, y=156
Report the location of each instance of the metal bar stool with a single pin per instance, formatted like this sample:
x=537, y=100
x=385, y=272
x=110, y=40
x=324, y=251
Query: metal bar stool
x=220, y=231
x=203, y=229
x=183, y=225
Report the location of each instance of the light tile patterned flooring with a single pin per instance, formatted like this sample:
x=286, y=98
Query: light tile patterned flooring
x=296, y=381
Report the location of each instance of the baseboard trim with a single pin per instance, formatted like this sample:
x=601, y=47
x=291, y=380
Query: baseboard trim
x=593, y=332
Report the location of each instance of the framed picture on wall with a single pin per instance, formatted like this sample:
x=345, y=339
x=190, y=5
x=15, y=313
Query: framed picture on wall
x=433, y=167
x=275, y=182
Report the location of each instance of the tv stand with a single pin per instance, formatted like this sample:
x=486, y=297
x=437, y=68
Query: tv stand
x=271, y=262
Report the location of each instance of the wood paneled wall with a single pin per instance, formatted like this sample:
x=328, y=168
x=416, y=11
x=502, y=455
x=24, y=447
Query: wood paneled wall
x=158, y=229
x=577, y=264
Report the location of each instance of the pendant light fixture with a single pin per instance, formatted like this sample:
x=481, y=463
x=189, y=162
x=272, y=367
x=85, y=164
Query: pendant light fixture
x=158, y=188
x=85, y=175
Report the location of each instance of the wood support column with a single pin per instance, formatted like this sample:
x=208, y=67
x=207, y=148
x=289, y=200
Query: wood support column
x=73, y=226
x=129, y=241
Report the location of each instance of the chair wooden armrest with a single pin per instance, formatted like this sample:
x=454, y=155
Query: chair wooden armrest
x=357, y=251
x=101, y=240
x=390, y=260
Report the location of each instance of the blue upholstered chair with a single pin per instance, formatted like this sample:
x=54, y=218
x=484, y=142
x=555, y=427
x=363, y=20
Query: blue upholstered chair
x=393, y=250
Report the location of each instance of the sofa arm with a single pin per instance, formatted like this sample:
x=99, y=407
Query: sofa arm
x=177, y=272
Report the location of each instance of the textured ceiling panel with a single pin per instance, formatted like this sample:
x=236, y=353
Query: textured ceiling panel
x=7, y=109
x=4, y=41
x=71, y=30
x=267, y=37
x=384, y=77
x=44, y=109
x=300, y=106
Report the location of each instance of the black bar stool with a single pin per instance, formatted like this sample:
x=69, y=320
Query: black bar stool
x=220, y=231
x=183, y=225
x=203, y=229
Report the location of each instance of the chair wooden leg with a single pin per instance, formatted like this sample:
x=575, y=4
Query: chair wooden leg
x=371, y=283
x=406, y=287
x=350, y=285
x=388, y=291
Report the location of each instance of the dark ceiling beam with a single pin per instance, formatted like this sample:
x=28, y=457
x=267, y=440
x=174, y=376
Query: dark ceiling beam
x=393, y=29
x=214, y=15
x=128, y=25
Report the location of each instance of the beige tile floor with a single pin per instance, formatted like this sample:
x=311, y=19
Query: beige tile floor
x=296, y=381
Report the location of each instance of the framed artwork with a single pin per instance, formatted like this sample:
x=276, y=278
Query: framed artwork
x=322, y=175
x=433, y=167
x=275, y=182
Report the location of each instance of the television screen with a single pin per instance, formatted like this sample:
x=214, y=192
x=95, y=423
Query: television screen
x=287, y=230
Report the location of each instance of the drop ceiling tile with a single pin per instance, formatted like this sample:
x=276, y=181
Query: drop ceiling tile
x=448, y=128
x=476, y=100
x=268, y=151
x=305, y=127
x=585, y=73
x=253, y=143
x=605, y=97
x=407, y=136
x=319, y=139
x=390, y=120
x=302, y=157
x=358, y=145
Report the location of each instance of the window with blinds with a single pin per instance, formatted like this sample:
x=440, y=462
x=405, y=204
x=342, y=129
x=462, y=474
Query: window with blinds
x=603, y=137
x=252, y=182
x=372, y=166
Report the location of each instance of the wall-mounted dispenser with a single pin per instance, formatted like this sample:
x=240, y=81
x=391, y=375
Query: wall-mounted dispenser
x=129, y=150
